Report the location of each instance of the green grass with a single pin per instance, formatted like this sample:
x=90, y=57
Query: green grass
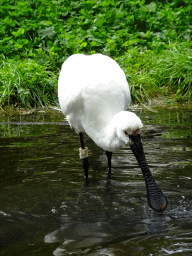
x=151, y=40
x=26, y=83
x=151, y=73
x=173, y=71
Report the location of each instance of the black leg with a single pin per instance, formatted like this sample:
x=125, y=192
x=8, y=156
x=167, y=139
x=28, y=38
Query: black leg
x=85, y=162
x=109, y=156
x=81, y=140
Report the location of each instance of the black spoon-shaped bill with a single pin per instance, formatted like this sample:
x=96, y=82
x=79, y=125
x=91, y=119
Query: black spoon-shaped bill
x=156, y=199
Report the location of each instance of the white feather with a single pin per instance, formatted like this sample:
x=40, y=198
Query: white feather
x=94, y=96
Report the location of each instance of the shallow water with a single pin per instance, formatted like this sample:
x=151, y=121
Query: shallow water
x=46, y=210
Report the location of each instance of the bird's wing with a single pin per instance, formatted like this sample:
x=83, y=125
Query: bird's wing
x=93, y=88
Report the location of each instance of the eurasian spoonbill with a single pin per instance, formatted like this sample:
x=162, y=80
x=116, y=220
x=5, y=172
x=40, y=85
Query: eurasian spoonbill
x=94, y=96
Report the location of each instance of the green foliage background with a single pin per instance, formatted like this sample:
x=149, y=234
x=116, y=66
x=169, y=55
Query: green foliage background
x=151, y=40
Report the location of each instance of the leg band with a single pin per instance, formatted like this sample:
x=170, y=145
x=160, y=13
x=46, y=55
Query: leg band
x=83, y=152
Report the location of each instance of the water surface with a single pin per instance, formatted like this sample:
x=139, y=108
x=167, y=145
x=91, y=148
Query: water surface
x=46, y=210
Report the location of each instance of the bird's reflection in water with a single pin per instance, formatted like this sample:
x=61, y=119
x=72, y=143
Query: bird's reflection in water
x=97, y=222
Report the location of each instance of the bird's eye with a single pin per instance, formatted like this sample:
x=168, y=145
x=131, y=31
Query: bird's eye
x=126, y=133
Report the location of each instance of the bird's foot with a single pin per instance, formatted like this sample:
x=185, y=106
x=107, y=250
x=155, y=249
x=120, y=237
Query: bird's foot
x=86, y=182
x=109, y=175
x=108, y=184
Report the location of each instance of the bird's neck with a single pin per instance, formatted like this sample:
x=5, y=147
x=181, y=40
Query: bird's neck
x=106, y=137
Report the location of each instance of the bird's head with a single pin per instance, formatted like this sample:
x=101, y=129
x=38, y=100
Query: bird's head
x=127, y=123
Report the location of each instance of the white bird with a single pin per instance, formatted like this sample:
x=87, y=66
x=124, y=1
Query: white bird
x=94, y=96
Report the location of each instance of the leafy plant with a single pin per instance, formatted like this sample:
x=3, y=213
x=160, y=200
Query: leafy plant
x=42, y=34
x=108, y=26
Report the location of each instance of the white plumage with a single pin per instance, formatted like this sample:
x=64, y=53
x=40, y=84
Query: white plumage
x=94, y=96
